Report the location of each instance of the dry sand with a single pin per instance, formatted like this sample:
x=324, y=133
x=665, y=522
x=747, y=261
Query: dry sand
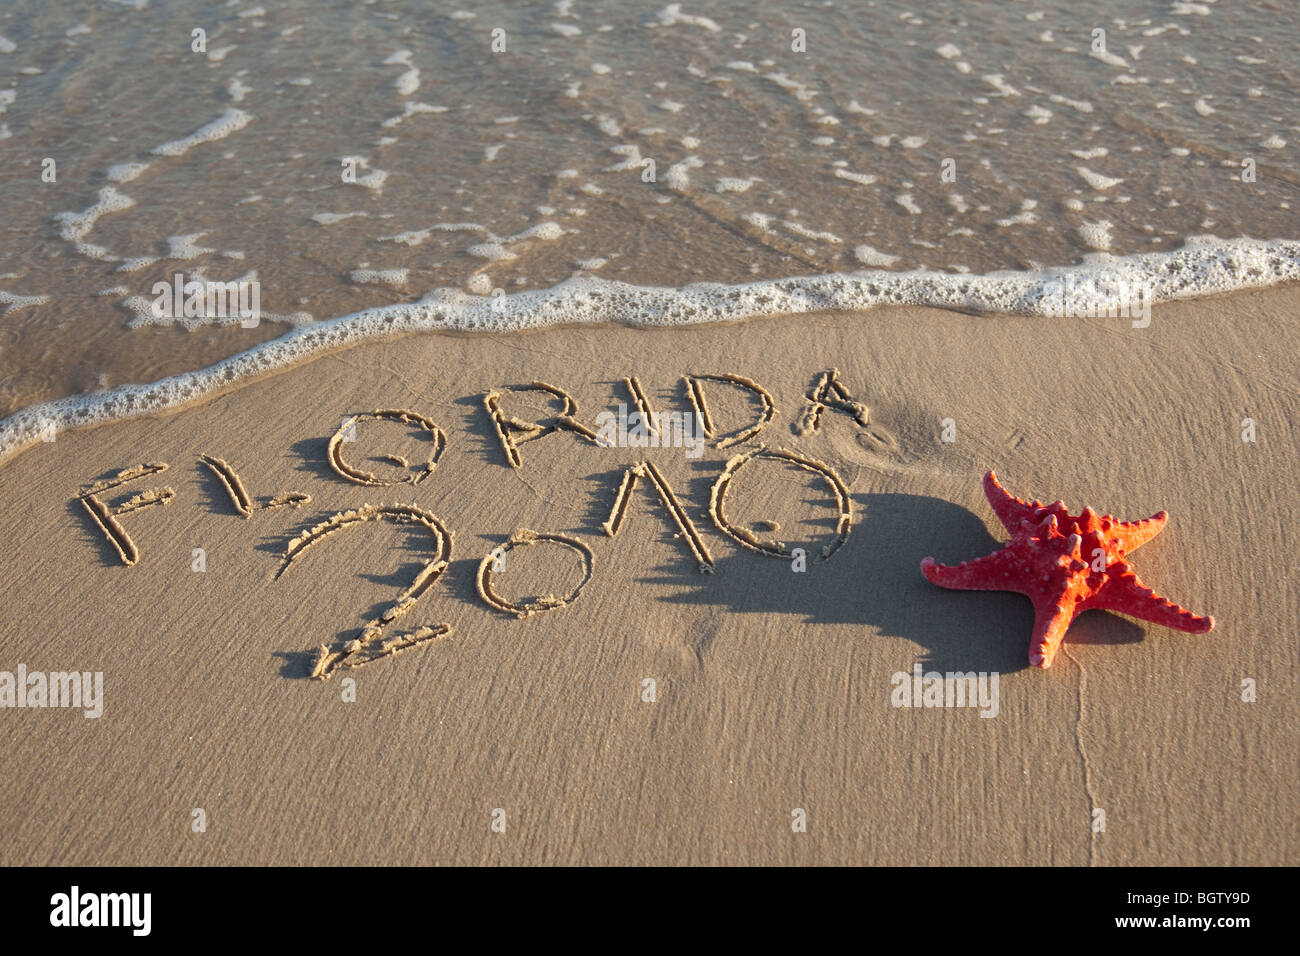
x=772, y=687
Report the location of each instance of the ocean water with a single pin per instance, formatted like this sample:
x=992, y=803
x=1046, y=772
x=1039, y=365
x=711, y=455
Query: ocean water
x=382, y=166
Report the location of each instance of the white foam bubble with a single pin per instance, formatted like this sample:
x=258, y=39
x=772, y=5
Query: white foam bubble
x=1205, y=265
x=413, y=238
x=392, y=277
x=409, y=109
x=77, y=225
x=125, y=172
x=869, y=256
x=862, y=179
x=136, y=263
x=1110, y=59
x=908, y=202
x=372, y=180
x=232, y=120
x=185, y=247
x=799, y=229
x=1083, y=106
x=801, y=91
x=1096, y=234
x=631, y=158
x=458, y=227
x=672, y=14
x=329, y=218
x=543, y=230
x=408, y=83
x=12, y=302
x=492, y=251
x=678, y=176
x=1096, y=180
x=733, y=184
x=1026, y=216
x=1039, y=114
x=999, y=83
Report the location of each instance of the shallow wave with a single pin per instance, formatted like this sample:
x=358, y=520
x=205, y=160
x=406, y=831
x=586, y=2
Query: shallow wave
x=1204, y=266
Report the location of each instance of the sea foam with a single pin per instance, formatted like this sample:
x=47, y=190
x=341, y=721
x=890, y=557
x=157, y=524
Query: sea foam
x=1205, y=265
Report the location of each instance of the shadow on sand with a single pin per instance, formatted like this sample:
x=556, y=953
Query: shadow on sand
x=875, y=581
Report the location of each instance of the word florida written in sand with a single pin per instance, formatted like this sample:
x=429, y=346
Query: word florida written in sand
x=643, y=428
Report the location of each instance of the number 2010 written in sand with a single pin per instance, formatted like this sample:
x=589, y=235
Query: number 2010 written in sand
x=380, y=637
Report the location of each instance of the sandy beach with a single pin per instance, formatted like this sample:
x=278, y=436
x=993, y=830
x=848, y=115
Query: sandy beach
x=537, y=739
x=540, y=432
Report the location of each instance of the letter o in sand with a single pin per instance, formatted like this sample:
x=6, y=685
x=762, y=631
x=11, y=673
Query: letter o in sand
x=775, y=549
x=528, y=538
x=360, y=477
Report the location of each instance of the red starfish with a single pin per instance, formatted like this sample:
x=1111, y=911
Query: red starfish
x=1065, y=565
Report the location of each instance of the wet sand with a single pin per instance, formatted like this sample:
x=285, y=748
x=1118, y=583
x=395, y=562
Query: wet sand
x=772, y=687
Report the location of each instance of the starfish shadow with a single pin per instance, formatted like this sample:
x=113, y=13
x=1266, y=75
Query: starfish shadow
x=875, y=581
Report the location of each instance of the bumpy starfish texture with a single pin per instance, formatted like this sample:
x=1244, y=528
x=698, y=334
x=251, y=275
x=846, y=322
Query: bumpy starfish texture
x=1066, y=564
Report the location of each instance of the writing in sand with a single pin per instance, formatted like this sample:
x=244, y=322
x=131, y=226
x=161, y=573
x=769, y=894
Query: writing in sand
x=642, y=426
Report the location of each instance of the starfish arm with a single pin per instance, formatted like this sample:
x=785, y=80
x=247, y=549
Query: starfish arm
x=1009, y=509
x=1128, y=595
x=1134, y=534
x=1051, y=620
x=993, y=572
